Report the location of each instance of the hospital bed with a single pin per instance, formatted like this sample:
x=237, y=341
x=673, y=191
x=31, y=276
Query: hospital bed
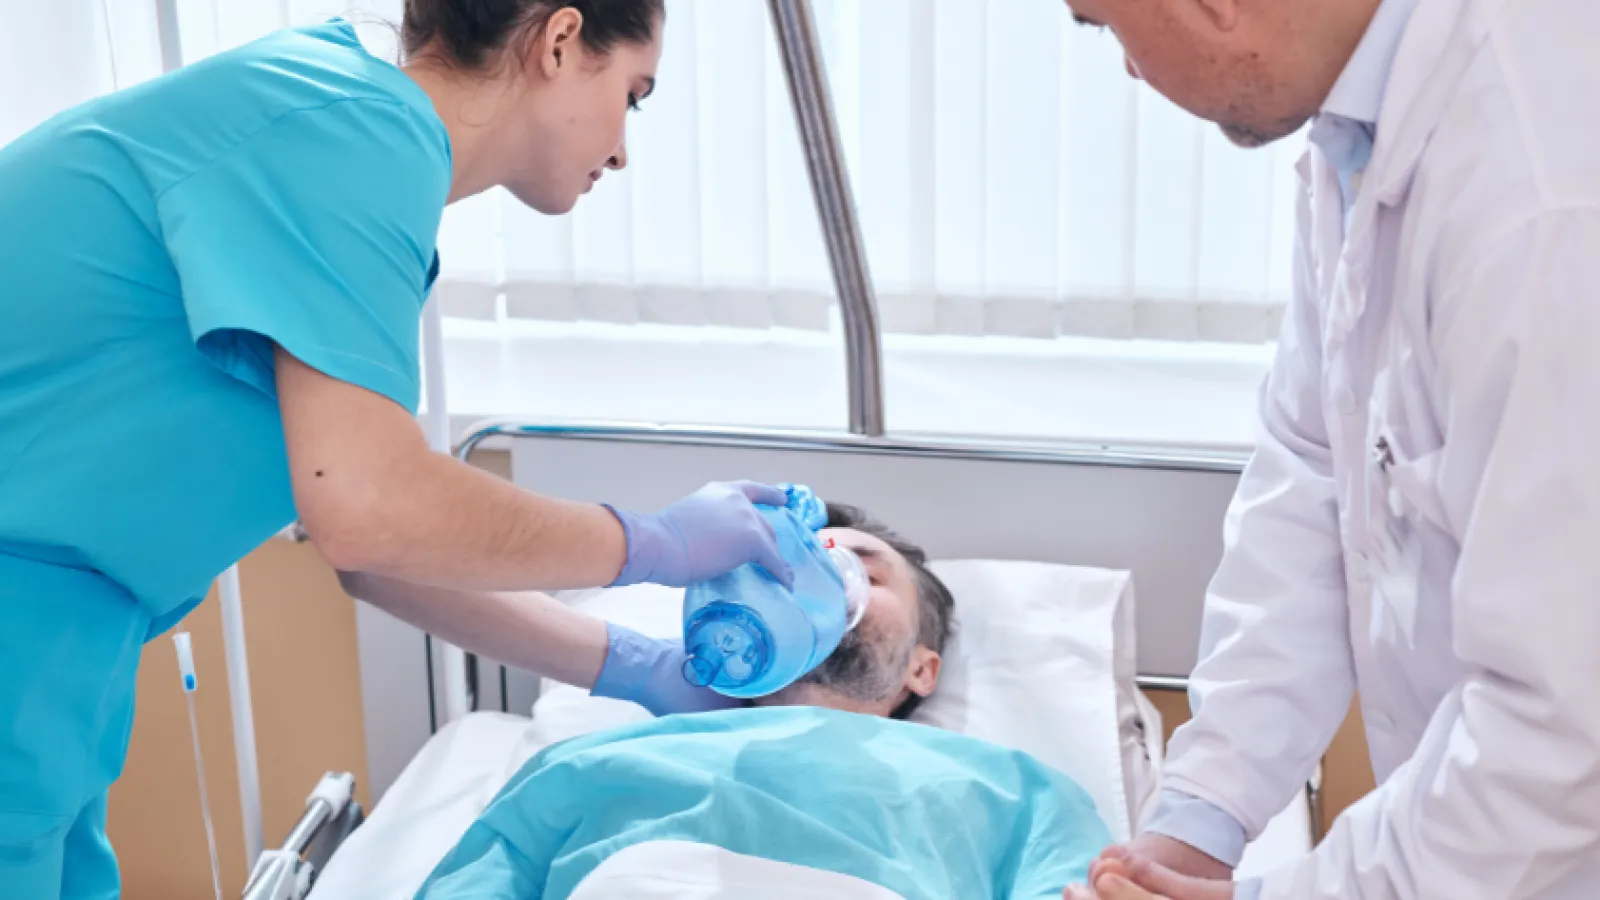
x=1045, y=543
x=1118, y=546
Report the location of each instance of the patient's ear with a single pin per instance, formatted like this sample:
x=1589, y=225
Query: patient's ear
x=922, y=672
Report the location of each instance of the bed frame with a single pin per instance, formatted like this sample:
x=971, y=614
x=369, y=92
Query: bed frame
x=1156, y=512
x=1153, y=512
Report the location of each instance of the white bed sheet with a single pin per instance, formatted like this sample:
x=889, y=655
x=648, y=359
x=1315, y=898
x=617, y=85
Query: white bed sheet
x=681, y=870
x=460, y=769
x=428, y=808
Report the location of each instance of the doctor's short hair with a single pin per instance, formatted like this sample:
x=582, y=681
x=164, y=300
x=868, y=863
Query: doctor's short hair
x=471, y=33
x=935, y=604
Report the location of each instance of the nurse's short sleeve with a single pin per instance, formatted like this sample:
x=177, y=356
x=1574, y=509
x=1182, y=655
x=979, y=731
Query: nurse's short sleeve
x=317, y=233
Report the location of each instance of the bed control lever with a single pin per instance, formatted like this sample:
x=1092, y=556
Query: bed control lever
x=287, y=872
x=333, y=835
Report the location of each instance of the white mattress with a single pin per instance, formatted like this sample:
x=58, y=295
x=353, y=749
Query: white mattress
x=461, y=768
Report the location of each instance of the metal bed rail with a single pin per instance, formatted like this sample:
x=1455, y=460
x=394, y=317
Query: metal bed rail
x=831, y=442
x=932, y=445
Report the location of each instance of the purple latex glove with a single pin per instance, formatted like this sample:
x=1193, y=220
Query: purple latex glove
x=708, y=533
x=649, y=672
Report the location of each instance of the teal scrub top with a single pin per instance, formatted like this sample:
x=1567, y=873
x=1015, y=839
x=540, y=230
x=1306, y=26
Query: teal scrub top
x=154, y=245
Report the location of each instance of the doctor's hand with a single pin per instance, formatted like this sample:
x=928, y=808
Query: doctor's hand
x=1110, y=882
x=1119, y=875
x=1173, y=854
x=649, y=671
x=709, y=533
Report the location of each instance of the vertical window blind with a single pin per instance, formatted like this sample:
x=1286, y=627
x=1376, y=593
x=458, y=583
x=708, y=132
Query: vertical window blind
x=1011, y=179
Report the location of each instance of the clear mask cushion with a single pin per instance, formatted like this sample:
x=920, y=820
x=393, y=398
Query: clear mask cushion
x=857, y=587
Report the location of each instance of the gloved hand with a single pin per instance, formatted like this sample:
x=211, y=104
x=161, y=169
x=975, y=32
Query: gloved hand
x=708, y=533
x=649, y=672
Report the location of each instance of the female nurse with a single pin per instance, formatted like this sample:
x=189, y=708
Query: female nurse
x=213, y=286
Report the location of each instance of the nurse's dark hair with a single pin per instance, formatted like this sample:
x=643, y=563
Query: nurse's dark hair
x=471, y=33
x=935, y=604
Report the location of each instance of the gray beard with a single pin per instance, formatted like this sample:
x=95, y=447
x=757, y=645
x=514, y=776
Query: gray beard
x=862, y=669
x=1250, y=137
x=1246, y=137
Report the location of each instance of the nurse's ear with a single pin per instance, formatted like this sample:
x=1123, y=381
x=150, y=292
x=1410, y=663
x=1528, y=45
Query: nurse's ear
x=554, y=45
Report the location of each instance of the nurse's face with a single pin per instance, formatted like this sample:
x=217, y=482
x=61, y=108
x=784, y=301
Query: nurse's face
x=576, y=109
x=1225, y=61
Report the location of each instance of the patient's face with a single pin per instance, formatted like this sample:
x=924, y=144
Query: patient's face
x=878, y=663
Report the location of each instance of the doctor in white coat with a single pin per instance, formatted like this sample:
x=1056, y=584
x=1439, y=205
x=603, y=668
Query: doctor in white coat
x=1421, y=520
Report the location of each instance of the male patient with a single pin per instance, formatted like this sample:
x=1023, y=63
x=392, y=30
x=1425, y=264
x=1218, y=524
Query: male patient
x=815, y=792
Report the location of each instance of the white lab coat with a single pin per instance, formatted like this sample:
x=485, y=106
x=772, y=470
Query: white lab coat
x=1458, y=586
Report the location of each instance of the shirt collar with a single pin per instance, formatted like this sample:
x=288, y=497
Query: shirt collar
x=1358, y=94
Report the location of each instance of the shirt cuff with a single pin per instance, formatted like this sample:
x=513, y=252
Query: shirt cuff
x=1202, y=825
x=1249, y=889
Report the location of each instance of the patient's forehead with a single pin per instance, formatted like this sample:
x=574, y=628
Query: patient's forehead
x=868, y=547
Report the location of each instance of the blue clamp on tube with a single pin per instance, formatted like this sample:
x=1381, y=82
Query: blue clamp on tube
x=185, y=660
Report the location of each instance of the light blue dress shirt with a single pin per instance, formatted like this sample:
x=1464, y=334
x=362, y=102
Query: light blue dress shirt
x=1348, y=124
x=1344, y=130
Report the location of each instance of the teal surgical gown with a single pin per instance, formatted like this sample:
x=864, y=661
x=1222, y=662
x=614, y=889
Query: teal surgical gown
x=154, y=245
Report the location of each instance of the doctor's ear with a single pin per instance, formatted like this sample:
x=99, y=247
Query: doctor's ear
x=1223, y=15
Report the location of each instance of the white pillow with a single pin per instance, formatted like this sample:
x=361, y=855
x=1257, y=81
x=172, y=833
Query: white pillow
x=1042, y=660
